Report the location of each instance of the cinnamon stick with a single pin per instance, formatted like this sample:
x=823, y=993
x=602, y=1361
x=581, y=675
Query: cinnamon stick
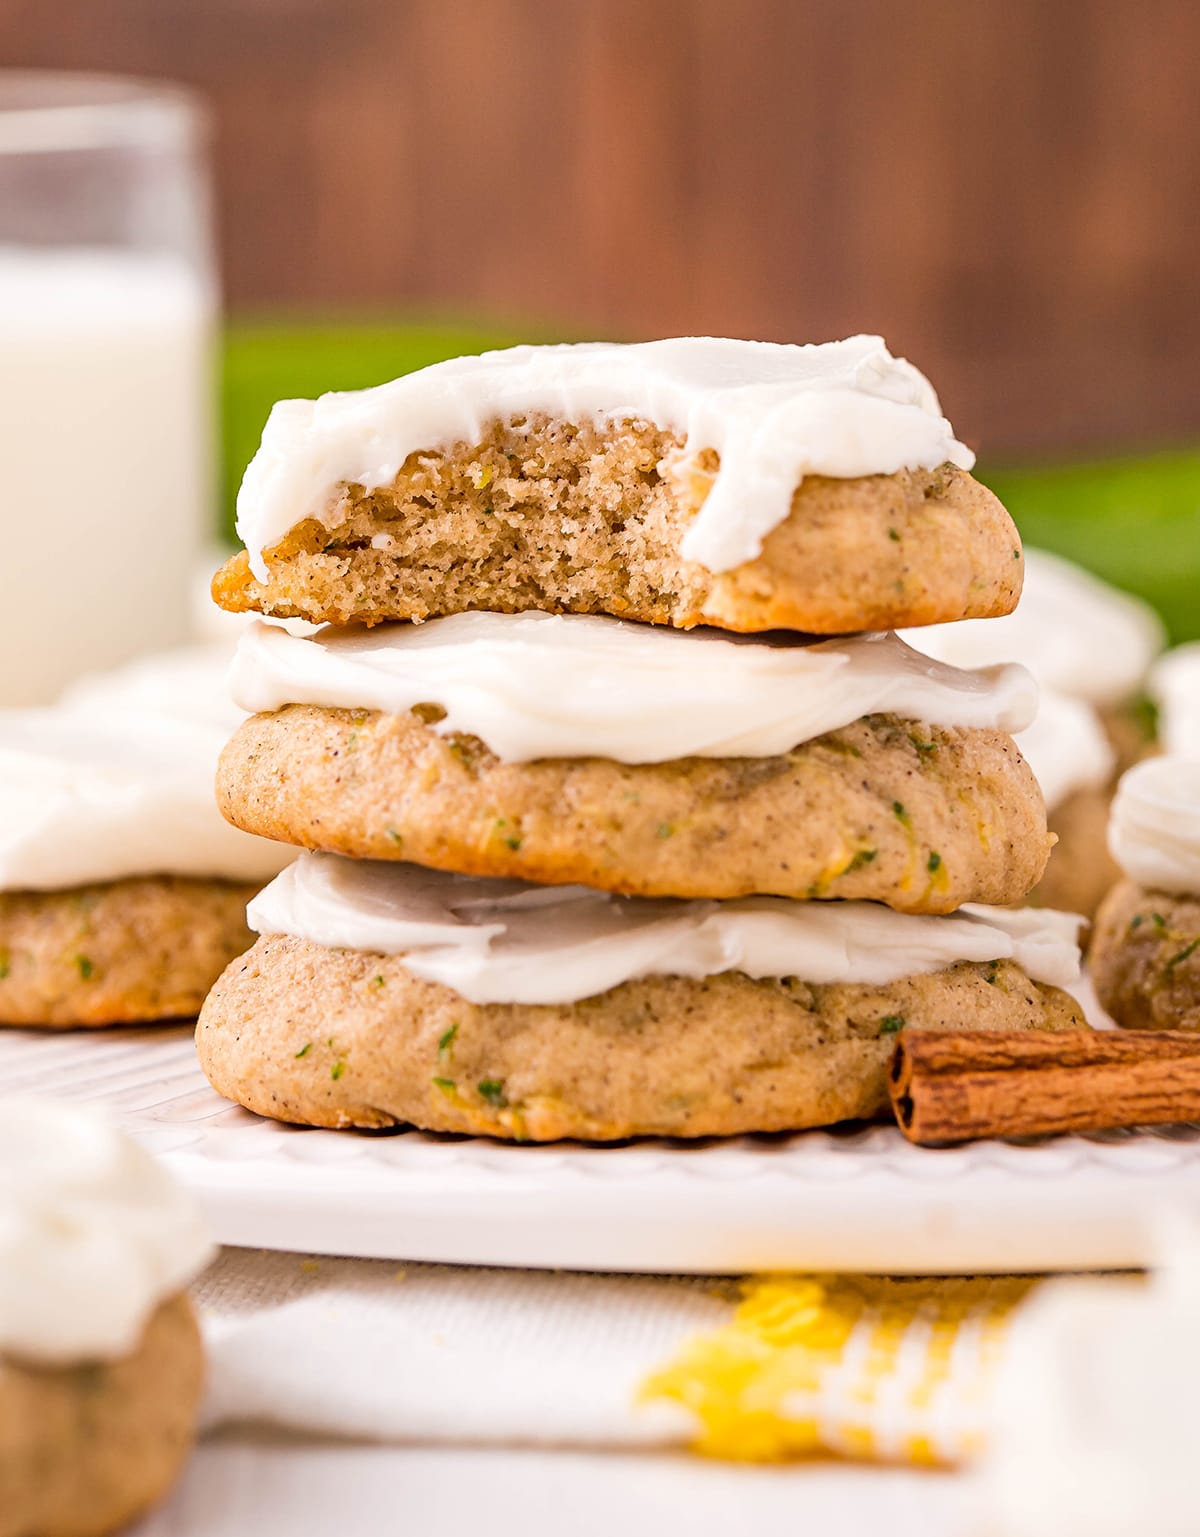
x=957, y=1086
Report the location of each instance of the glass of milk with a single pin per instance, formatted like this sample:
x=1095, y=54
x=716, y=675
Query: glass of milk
x=107, y=314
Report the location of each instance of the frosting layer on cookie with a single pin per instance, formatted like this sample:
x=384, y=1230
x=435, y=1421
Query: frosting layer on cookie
x=1075, y=633
x=96, y=794
x=1154, y=832
x=536, y=685
x=93, y=1235
x=773, y=412
x=495, y=941
x=1174, y=686
x=1067, y=748
x=189, y=683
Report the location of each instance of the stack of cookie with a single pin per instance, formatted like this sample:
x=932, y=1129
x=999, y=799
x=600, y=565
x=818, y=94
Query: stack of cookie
x=574, y=871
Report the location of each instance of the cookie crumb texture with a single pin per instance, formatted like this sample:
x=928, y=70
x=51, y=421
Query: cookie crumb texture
x=121, y=952
x=86, y=1449
x=923, y=818
x=585, y=519
x=1145, y=958
x=336, y=1038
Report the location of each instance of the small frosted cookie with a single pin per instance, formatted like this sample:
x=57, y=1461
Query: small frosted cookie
x=85, y=1448
x=1174, y=687
x=1145, y=958
x=744, y=485
x=387, y=994
x=1081, y=871
x=1073, y=760
x=101, y=1360
x=121, y=952
x=1080, y=637
x=1146, y=945
x=921, y=817
x=122, y=888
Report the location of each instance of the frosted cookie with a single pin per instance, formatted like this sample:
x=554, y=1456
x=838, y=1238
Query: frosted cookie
x=1073, y=759
x=640, y=760
x=823, y=820
x=1174, y=686
x=1081, y=871
x=1145, y=958
x=187, y=683
x=119, y=952
x=121, y=886
x=1078, y=635
x=745, y=485
x=1091, y=647
x=383, y=994
x=1146, y=948
x=101, y=1363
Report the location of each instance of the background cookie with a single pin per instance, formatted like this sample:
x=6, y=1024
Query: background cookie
x=1081, y=871
x=1145, y=958
x=139, y=949
x=85, y=1449
x=338, y=1038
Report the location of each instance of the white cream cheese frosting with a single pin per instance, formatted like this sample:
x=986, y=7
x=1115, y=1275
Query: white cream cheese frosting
x=773, y=412
x=189, y=683
x=1075, y=633
x=94, y=1235
x=539, y=685
x=497, y=941
x=1067, y=748
x=1174, y=686
x=1154, y=829
x=101, y=794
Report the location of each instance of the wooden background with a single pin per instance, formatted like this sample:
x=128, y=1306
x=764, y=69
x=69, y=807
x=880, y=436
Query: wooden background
x=1008, y=189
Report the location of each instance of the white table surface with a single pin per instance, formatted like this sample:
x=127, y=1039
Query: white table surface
x=241, y=1486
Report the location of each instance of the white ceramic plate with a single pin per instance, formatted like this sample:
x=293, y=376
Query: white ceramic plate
x=859, y=1199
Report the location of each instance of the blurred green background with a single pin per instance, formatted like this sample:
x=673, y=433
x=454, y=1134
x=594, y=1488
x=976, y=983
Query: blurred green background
x=1134, y=521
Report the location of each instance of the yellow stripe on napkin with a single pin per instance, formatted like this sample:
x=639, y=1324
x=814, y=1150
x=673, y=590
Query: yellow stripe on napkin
x=857, y=1366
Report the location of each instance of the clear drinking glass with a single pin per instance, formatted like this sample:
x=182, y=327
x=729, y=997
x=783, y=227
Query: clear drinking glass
x=108, y=305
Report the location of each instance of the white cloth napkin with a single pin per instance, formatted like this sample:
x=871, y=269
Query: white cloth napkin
x=369, y=1348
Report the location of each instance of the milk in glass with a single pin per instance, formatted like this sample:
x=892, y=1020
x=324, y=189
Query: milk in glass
x=106, y=457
